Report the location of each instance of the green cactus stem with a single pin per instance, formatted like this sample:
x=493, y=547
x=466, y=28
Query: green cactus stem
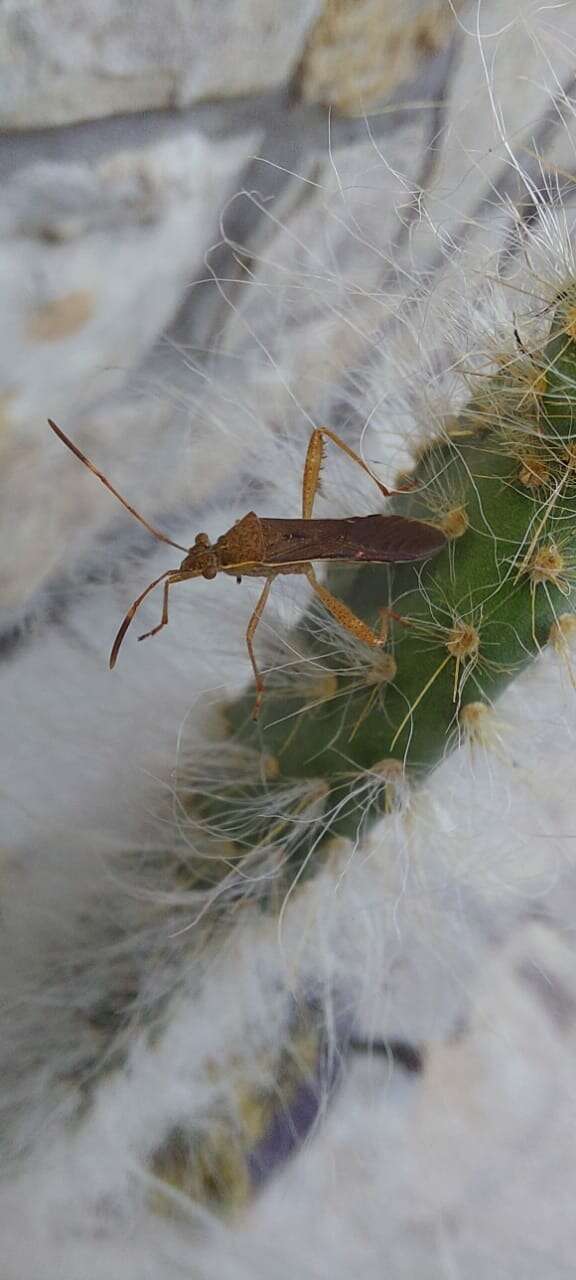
x=333, y=750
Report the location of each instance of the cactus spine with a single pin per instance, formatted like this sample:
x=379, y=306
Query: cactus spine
x=500, y=480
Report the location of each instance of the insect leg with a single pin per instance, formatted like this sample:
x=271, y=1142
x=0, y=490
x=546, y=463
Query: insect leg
x=313, y=464
x=343, y=614
x=250, y=632
x=311, y=475
x=164, y=619
x=170, y=573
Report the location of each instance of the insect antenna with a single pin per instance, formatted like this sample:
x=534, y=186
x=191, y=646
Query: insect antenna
x=87, y=463
x=129, y=616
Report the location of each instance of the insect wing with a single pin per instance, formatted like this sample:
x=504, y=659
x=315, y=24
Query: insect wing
x=394, y=539
x=371, y=539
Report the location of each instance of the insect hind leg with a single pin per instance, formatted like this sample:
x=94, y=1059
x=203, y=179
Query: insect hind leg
x=313, y=466
x=347, y=619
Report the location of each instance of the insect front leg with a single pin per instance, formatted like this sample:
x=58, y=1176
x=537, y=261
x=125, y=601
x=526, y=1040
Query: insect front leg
x=171, y=576
x=175, y=575
x=164, y=619
x=250, y=632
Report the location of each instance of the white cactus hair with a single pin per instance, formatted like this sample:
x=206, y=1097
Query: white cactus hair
x=146, y=980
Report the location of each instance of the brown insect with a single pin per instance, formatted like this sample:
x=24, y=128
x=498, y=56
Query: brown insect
x=264, y=548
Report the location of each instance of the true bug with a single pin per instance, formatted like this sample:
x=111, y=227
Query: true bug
x=264, y=548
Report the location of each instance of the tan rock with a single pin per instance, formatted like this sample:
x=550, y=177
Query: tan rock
x=60, y=317
x=361, y=50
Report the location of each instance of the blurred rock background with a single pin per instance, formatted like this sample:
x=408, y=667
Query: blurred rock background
x=210, y=216
x=129, y=136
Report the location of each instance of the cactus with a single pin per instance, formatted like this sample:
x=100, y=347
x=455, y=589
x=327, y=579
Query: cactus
x=355, y=730
x=348, y=732
x=344, y=735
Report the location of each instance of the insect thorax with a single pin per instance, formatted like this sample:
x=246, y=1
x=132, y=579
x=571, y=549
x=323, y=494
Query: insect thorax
x=242, y=544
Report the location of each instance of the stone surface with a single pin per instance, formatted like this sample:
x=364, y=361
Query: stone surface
x=99, y=256
x=94, y=261
x=361, y=50
x=59, y=65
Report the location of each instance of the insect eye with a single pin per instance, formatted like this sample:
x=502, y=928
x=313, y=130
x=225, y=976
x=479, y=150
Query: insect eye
x=210, y=570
